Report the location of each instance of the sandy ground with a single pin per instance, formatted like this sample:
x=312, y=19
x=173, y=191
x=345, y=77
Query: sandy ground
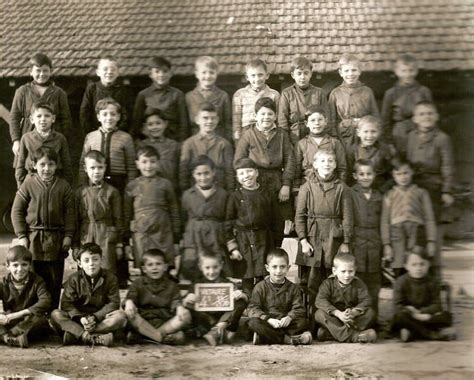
x=386, y=359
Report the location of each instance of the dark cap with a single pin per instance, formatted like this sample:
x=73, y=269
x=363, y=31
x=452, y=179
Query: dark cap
x=245, y=163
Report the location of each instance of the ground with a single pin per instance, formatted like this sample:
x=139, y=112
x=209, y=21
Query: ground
x=386, y=359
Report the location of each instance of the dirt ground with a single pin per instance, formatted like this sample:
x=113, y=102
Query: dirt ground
x=386, y=359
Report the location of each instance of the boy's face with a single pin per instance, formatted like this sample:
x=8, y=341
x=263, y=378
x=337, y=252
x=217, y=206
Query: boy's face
x=265, y=118
x=95, y=170
x=161, y=76
x=206, y=76
x=425, y=117
x=350, y=73
x=406, y=72
x=416, y=266
x=247, y=177
x=207, y=122
x=256, y=77
x=19, y=269
x=41, y=74
x=204, y=176
x=368, y=133
x=402, y=176
x=154, y=126
x=109, y=117
x=107, y=71
x=43, y=119
x=148, y=166
x=45, y=167
x=90, y=263
x=316, y=123
x=325, y=164
x=344, y=272
x=277, y=268
x=302, y=76
x=210, y=267
x=364, y=176
x=154, y=267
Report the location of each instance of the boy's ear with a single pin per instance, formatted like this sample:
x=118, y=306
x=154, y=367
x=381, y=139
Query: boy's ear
x=334, y=270
x=267, y=267
x=256, y=171
x=354, y=176
x=31, y=118
x=53, y=118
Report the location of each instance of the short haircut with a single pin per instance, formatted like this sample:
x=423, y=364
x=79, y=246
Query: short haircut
x=362, y=162
x=40, y=59
x=417, y=251
x=343, y=257
x=42, y=104
x=398, y=161
x=407, y=59
x=103, y=103
x=147, y=151
x=347, y=58
x=245, y=163
x=202, y=160
x=153, y=253
x=314, y=108
x=326, y=151
x=255, y=64
x=44, y=151
x=265, y=102
x=107, y=58
x=154, y=112
x=372, y=120
x=208, y=255
x=276, y=254
x=160, y=63
x=301, y=63
x=95, y=155
x=206, y=61
x=207, y=107
x=427, y=103
x=92, y=248
x=17, y=253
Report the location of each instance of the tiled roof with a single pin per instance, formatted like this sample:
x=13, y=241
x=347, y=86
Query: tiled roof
x=74, y=33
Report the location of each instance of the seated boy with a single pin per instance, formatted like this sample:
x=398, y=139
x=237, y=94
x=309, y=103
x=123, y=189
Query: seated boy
x=90, y=304
x=276, y=311
x=417, y=303
x=25, y=299
x=153, y=303
x=344, y=305
x=216, y=327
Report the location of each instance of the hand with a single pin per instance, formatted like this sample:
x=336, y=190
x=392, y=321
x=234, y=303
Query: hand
x=16, y=147
x=189, y=300
x=285, y=322
x=344, y=248
x=447, y=199
x=24, y=242
x=236, y=135
x=238, y=294
x=128, y=251
x=284, y=193
x=412, y=309
x=431, y=248
x=306, y=248
x=423, y=317
x=130, y=309
x=88, y=322
x=354, y=313
x=182, y=313
x=236, y=255
x=119, y=253
x=275, y=323
x=4, y=320
x=66, y=243
x=342, y=316
x=388, y=253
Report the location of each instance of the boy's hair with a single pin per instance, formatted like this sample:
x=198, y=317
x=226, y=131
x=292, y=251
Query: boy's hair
x=202, y=160
x=362, y=162
x=278, y=253
x=343, y=257
x=17, y=253
x=347, y=58
x=314, y=108
x=93, y=248
x=42, y=104
x=255, y=64
x=301, y=63
x=208, y=255
x=40, y=59
x=160, y=63
x=207, y=107
x=417, y=251
x=398, y=161
x=153, y=253
x=44, y=151
x=147, y=151
x=207, y=61
x=427, y=103
x=265, y=102
x=149, y=111
x=103, y=103
x=326, y=151
x=245, y=163
x=407, y=59
x=95, y=155
x=372, y=120
x=107, y=58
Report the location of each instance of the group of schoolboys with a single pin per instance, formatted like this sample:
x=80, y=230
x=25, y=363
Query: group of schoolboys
x=306, y=160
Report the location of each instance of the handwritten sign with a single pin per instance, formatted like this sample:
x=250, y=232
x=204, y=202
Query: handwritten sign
x=214, y=297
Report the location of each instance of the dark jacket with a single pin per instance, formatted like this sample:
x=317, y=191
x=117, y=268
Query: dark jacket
x=422, y=293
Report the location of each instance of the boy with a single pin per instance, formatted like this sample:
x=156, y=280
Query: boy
x=42, y=118
x=25, y=299
x=90, y=303
x=271, y=150
x=43, y=89
x=344, y=306
x=43, y=219
x=243, y=102
x=107, y=87
x=206, y=71
x=399, y=101
x=296, y=98
x=151, y=211
x=218, y=326
x=323, y=222
x=276, y=311
x=117, y=146
x=407, y=217
x=153, y=303
x=366, y=243
x=417, y=303
x=160, y=95
x=207, y=142
x=349, y=101
x=99, y=212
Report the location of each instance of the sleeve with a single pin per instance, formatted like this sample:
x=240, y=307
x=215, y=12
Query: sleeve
x=374, y=110
x=229, y=167
x=66, y=160
x=387, y=105
x=301, y=215
x=344, y=170
x=284, y=111
x=333, y=116
x=298, y=166
x=43, y=304
x=133, y=292
x=323, y=299
x=227, y=112
x=116, y=206
x=129, y=151
x=447, y=164
x=435, y=300
x=127, y=211
x=112, y=298
x=87, y=111
x=428, y=216
x=399, y=294
x=255, y=308
x=20, y=169
x=82, y=172
x=69, y=212
x=69, y=298
x=126, y=112
x=385, y=220
x=184, y=166
x=19, y=210
x=237, y=112
x=64, y=116
x=242, y=148
x=76, y=240
x=363, y=298
x=185, y=130
x=298, y=310
x=138, y=111
x=230, y=219
x=347, y=214
x=288, y=161
x=176, y=299
x=174, y=211
x=17, y=114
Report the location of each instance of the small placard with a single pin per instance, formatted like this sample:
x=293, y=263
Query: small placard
x=214, y=297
